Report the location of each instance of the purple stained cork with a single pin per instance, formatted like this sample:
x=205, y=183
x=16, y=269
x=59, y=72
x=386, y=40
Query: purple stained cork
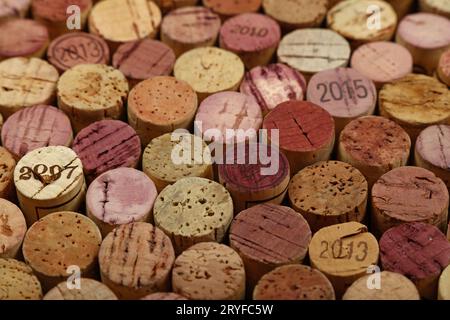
x=106, y=145
x=433, y=145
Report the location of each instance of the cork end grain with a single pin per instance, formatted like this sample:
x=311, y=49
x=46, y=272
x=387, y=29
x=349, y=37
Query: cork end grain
x=18, y=281
x=297, y=14
x=56, y=11
x=444, y=285
x=12, y=229
x=160, y=296
x=7, y=165
x=89, y=290
x=231, y=8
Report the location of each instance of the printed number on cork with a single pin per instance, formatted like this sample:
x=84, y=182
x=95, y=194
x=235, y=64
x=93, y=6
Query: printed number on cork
x=335, y=249
x=333, y=91
x=252, y=31
x=40, y=169
x=80, y=52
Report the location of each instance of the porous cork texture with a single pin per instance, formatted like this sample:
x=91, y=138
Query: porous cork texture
x=136, y=260
x=18, y=281
x=160, y=296
x=444, y=285
x=14, y=8
x=89, y=290
x=193, y=210
x=231, y=8
x=209, y=271
x=169, y=5
x=7, y=165
x=12, y=229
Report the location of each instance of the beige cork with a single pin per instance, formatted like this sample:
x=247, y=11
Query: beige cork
x=193, y=210
x=209, y=271
x=390, y=286
x=159, y=164
x=328, y=193
x=441, y=7
x=58, y=244
x=92, y=92
x=7, y=165
x=344, y=253
x=444, y=285
x=169, y=5
x=210, y=70
x=47, y=180
x=12, y=229
x=136, y=260
x=24, y=83
x=88, y=290
x=18, y=281
x=164, y=296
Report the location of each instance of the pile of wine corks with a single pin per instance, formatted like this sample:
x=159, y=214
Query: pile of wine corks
x=225, y=150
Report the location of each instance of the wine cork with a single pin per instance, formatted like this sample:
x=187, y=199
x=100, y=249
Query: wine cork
x=306, y=133
x=444, y=68
x=106, y=145
x=409, y=194
x=161, y=105
x=158, y=162
x=374, y=145
x=47, y=180
x=294, y=282
x=169, y=5
x=89, y=290
x=56, y=14
x=444, y=285
x=227, y=9
x=76, y=48
x=12, y=229
x=426, y=36
x=14, y=9
x=345, y=93
x=25, y=83
x=313, y=50
x=415, y=102
x=92, y=92
x=190, y=27
x=419, y=251
x=119, y=21
x=144, y=59
x=441, y=7
x=359, y=22
x=393, y=286
x=253, y=37
x=135, y=260
x=7, y=165
x=193, y=210
x=18, y=281
x=343, y=252
x=297, y=14
x=402, y=7
x=36, y=127
x=329, y=193
x=209, y=271
x=164, y=296
x=210, y=70
x=432, y=151
x=264, y=243
x=60, y=242
x=273, y=84
x=382, y=62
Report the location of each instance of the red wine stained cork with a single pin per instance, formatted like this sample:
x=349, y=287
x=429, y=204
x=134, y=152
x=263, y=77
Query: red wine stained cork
x=426, y=36
x=374, y=145
x=264, y=243
x=210, y=70
x=144, y=59
x=444, y=285
x=161, y=105
x=47, y=180
x=7, y=165
x=106, y=145
x=164, y=296
x=14, y=8
x=59, y=241
x=273, y=84
x=18, y=281
x=89, y=290
x=314, y=50
x=158, y=162
x=353, y=20
x=345, y=93
x=190, y=27
x=54, y=14
x=382, y=61
x=209, y=271
x=110, y=205
x=409, y=194
x=297, y=14
x=432, y=151
x=415, y=102
x=328, y=193
x=193, y=210
x=444, y=68
x=393, y=286
x=419, y=251
x=76, y=48
x=343, y=252
x=294, y=282
x=253, y=37
x=36, y=127
x=22, y=38
x=441, y=7
x=119, y=21
x=24, y=83
x=92, y=92
x=306, y=133
x=12, y=229
x=169, y=5
x=227, y=9
x=135, y=260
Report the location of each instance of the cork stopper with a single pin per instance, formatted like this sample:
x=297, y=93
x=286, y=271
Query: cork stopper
x=440, y=7
x=231, y=8
x=12, y=229
x=7, y=165
x=444, y=285
x=169, y=5
x=18, y=281
x=14, y=8
x=89, y=290
x=164, y=296
x=444, y=68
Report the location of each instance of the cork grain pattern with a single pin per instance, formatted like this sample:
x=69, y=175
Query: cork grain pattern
x=90, y=290
x=18, y=282
x=297, y=13
x=12, y=229
x=7, y=165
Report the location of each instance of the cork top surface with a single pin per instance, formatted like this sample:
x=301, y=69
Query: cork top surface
x=56, y=11
x=12, y=226
x=299, y=12
x=230, y=8
x=7, y=165
x=13, y=8
x=18, y=282
x=89, y=290
x=433, y=145
x=444, y=284
x=444, y=64
x=164, y=296
x=208, y=271
x=60, y=240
